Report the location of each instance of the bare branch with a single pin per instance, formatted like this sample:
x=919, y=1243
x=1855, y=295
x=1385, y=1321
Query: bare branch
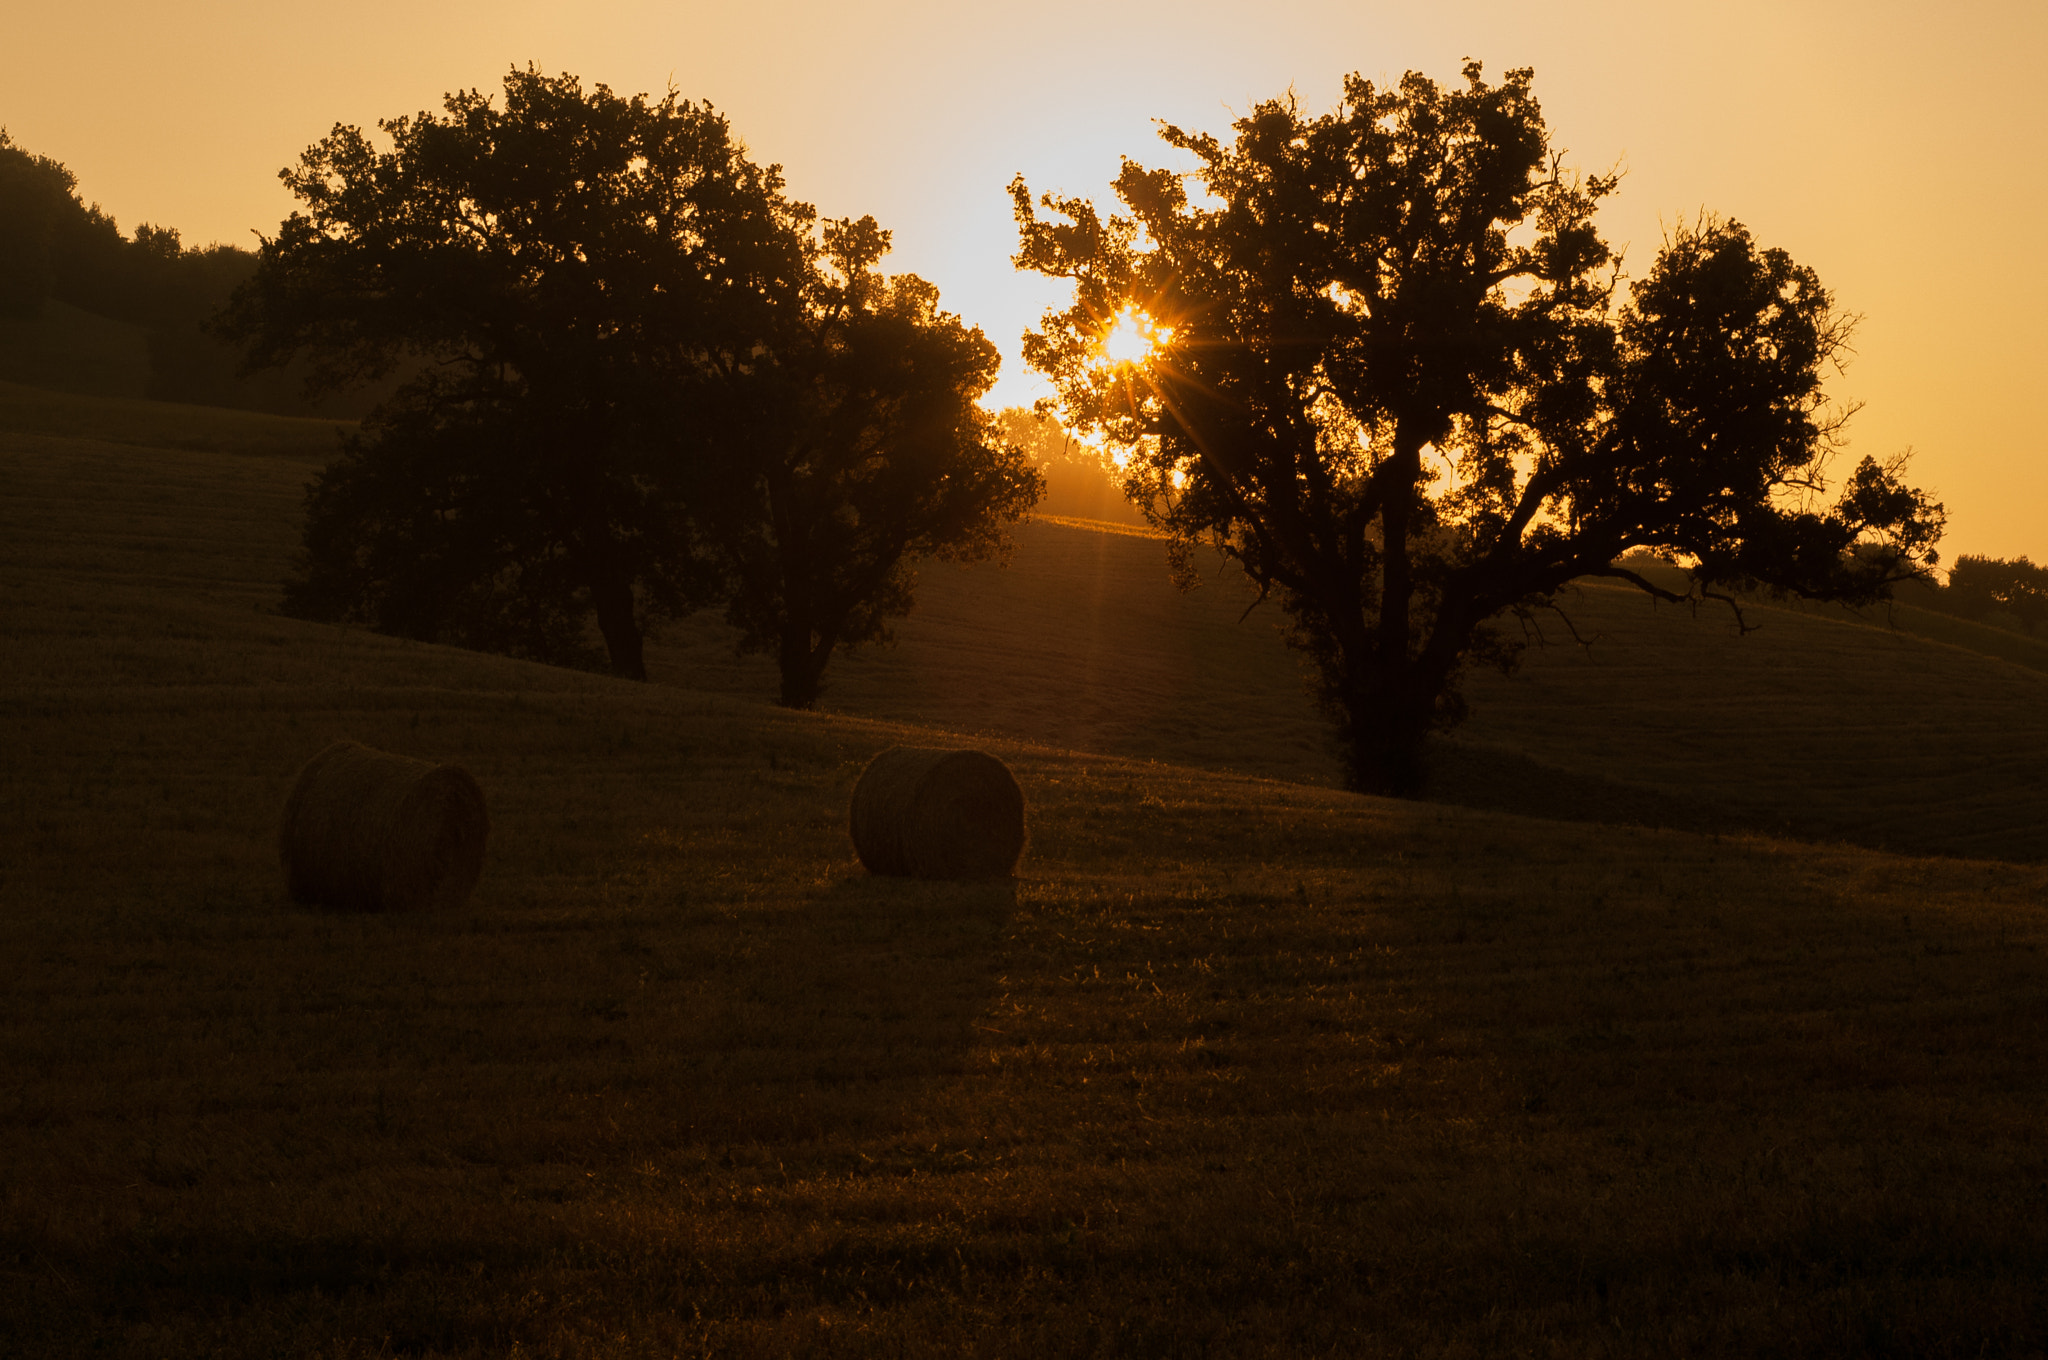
x=1585, y=644
x=1265, y=589
x=1742, y=624
x=1642, y=583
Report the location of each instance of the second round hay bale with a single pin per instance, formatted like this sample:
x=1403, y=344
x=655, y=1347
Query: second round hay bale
x=365, y=830
x=938, y=814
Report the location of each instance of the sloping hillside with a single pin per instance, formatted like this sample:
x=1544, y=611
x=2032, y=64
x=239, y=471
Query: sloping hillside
x=1234, y=1066
x=1818, y=723
x=1078, y=641
x=141, y=423
x=72, y=350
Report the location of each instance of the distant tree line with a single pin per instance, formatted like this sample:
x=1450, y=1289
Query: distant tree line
x=1081, y=480
x=56, y=248
x=635, y=379
x=2011, y=594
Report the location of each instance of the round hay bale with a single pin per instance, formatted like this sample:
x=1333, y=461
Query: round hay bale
x=938, y=814
x=366, y=830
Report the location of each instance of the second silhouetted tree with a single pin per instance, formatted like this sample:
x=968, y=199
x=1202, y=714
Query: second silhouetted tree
x=1393, y=383
x=859, y=449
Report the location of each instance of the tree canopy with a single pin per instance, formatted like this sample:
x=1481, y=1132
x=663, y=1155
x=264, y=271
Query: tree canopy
x=1388, y=367
x=2011, y=593
x=860, y=449
x=639, y=379
x=553, y=270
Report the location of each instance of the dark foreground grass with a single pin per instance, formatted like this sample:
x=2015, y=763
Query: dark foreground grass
x=1235, y=1067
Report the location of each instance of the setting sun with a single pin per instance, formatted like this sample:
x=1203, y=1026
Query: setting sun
x=1132, y=338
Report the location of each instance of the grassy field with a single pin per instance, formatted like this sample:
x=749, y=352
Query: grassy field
x=1816, y=724
x=69, y=348
x=1820, y=723
x=1238, y=1065
x=296, y=447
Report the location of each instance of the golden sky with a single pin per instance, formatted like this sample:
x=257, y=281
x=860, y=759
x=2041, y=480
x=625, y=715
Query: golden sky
x=1898, y=148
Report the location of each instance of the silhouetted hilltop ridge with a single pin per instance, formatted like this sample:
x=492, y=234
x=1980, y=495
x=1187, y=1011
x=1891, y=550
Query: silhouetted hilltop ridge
x=85, y=308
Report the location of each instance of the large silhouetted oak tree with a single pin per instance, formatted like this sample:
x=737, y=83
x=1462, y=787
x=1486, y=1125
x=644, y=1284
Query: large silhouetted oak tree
x=1395, y=383
x=561, y=274
x=641, y=380
x=860, y=449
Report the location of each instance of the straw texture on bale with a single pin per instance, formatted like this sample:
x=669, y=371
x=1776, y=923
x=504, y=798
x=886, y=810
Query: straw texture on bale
x=938, y=814
x=365, y=830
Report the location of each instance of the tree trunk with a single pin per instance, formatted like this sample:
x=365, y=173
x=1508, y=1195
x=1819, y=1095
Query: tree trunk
x=1381, y=725
x=612, y=596
x=1389, y=715
x=1397, y=576
x=803, y=665
x=1384, y=754
x=1385, y=719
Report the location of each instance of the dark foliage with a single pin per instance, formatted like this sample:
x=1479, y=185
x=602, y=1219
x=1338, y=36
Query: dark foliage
x=36, y=195
x=54, y=248
x=2007, y=593
x=645, y=381
x=1396, y=385
x=563, y=271
x=860, y=448
x=449, y=519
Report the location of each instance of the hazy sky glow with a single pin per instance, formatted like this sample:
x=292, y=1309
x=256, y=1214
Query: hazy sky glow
x=1897, y=148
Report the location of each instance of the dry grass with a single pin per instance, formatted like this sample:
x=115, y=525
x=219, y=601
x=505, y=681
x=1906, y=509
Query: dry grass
x=1815, y=725
x=140, y=423
x=1237, y=1067
x=1818, y=724
x=74, y=349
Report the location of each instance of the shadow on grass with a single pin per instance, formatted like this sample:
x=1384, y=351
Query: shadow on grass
x=1491, y=779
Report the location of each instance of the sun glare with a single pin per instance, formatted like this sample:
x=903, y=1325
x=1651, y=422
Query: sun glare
x=1133, y=338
